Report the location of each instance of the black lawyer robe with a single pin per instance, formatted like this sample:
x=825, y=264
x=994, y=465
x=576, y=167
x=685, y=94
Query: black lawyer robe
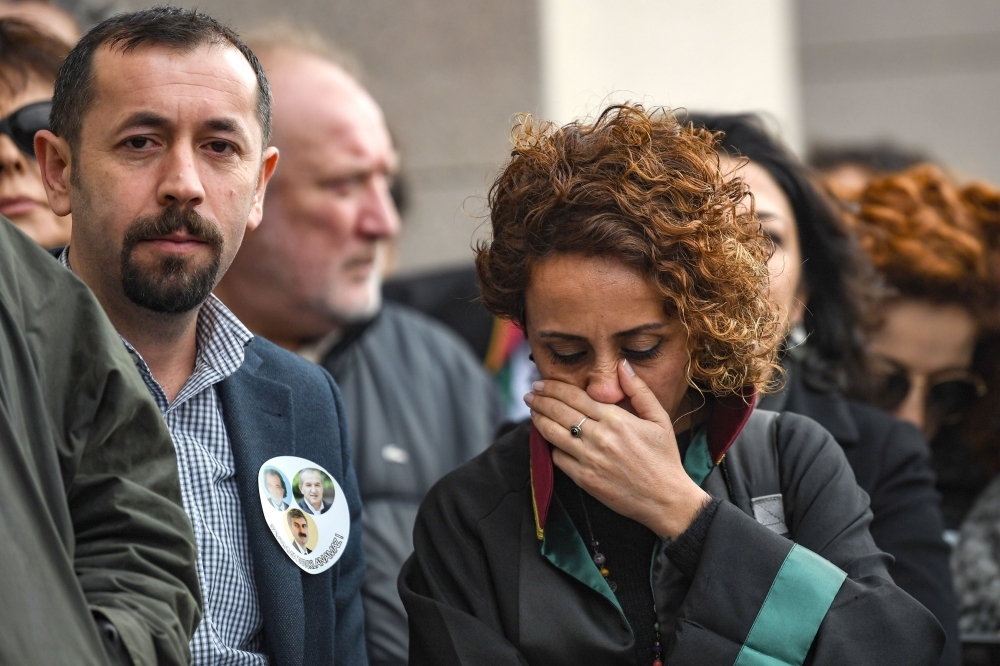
x=481, y=588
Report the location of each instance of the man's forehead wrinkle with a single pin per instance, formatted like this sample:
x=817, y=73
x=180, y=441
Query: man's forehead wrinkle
x=331, y=153
x=215, y=95
x=143, y=69
x=201, y=81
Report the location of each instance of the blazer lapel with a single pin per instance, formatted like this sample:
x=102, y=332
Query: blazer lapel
x=258, y=416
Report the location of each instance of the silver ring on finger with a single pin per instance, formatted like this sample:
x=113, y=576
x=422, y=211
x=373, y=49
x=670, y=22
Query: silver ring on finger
x=576, y=430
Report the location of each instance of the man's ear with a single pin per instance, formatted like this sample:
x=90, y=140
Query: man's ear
x=55, y=160
x=268, y=163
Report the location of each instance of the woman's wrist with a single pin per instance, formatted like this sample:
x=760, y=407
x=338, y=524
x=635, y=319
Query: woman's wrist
x=681, y=512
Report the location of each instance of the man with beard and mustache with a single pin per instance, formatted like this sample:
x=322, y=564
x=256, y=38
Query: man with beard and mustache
x=299, y=526
x=158, y=146
x=418, y=403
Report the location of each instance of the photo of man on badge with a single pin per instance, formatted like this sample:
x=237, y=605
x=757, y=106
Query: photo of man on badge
x=313, y=485
x=275, y=488
x=298, y=524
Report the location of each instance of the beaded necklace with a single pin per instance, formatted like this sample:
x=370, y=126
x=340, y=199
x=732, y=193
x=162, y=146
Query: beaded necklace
x=601, y=563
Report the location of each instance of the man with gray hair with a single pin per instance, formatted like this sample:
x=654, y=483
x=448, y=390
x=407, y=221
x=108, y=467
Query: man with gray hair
x=418, y=403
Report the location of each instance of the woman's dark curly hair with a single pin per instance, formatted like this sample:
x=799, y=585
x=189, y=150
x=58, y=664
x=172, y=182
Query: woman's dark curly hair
x=638, y=187
x=838, y=278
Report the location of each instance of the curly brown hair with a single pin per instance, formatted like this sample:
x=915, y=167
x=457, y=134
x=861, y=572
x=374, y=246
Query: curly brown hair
x=930, y=239
x=638, y=187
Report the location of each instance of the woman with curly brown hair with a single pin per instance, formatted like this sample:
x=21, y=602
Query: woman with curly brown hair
x=928, y=245
x=935, y=349
x=933, y=244
x=646, y=514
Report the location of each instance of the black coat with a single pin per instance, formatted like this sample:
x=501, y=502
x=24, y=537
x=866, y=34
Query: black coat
x=500, y=575
x=891, y=462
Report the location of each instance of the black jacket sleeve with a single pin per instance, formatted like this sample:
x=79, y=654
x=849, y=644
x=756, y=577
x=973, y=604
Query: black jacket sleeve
x=907, y=522
x=449, y=596
x=870, y=620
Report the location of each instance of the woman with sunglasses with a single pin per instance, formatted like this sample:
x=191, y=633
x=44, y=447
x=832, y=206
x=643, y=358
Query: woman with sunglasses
x=820, y=280
x=933, y=250
x=646, y=514
x=29, y=62
x=935, y=245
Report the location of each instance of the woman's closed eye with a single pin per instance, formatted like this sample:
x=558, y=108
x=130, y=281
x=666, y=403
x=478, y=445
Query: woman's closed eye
x=569, y=356
x=566, y=356
x=774, y=237
x=643, y=354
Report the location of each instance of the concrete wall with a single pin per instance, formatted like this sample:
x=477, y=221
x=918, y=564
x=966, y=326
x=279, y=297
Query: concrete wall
x=723, y=55
x=925, y=73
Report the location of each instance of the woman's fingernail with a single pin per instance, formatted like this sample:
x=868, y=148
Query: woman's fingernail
x=528, y=397
x=538, y=386
x=628, y=368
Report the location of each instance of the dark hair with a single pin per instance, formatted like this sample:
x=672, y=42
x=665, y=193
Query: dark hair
x=878, y=158
x=836, y=273
x=295, y=513
x=181, y=29
x=637, y=187
x=25, y=51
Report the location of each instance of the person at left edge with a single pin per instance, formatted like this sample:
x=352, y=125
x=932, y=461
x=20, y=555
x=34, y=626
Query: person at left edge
x=159, y=148
x=94, y=540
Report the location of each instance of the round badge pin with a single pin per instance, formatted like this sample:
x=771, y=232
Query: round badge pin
x=306, y=510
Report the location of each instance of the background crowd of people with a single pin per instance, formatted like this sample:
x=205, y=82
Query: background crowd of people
x=882, y=279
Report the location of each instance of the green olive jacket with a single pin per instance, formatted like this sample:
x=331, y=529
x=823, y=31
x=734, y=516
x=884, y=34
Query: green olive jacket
x=91, y=526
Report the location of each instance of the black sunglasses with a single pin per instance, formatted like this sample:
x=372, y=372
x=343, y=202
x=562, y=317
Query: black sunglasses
x=22, y=125
x=950, y=395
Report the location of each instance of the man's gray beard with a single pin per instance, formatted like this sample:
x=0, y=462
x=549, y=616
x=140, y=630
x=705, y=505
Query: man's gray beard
x=363, y=314
x=340, y=317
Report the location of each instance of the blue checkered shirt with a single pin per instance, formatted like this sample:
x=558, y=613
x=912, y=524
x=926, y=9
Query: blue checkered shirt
x=230, y=632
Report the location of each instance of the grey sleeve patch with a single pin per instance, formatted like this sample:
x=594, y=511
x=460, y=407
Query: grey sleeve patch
x=769, y=510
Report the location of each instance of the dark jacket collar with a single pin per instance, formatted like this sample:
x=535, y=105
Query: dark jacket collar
x=729, y=415
x=828, y=408
x=350, y=335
